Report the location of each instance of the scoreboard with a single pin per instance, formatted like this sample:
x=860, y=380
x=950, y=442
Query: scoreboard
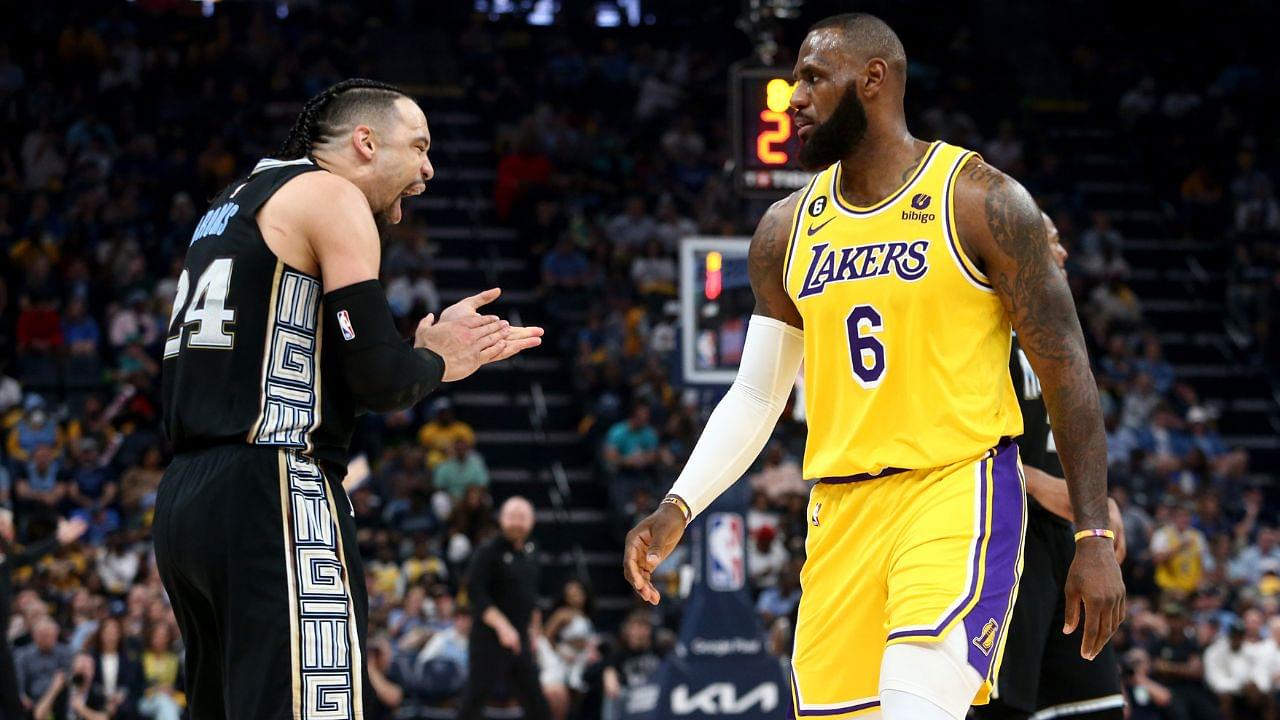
x=716, y=303
x=766, y=147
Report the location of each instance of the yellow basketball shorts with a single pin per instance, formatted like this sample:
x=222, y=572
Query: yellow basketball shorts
x=908, y=557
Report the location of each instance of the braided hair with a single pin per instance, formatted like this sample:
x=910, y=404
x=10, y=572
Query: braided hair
x=331, y=111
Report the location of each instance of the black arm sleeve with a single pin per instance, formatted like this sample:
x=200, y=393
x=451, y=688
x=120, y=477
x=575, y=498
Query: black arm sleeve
x=383, y=373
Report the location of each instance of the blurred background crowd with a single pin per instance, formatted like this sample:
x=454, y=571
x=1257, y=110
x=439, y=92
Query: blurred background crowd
x=603, y=148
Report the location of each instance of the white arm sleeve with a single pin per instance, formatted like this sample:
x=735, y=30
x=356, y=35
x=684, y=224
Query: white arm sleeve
x=744, y=419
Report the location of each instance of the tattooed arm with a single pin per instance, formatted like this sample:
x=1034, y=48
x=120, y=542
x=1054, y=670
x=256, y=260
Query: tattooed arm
x=1000, y=226
x=765, y=259
x=741, y=424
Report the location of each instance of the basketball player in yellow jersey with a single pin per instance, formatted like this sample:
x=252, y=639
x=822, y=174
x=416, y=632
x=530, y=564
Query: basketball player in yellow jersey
x=897, y=275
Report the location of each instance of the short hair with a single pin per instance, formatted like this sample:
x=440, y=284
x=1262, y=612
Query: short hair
x=334, y=110
x=869, y=34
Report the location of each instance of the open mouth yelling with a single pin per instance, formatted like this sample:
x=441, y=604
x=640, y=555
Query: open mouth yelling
x=396, y=212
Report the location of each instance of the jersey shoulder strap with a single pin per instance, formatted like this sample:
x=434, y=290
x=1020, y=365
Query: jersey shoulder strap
x=268, y=176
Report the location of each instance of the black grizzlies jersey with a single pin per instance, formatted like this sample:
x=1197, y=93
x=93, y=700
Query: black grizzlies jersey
x=244, y=356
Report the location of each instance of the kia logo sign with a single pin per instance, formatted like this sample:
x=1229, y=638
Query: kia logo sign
x=722, y=699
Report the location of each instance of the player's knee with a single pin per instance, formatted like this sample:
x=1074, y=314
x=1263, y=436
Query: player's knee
x=938, y=673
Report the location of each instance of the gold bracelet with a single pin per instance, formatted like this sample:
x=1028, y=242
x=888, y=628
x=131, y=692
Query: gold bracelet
x=1096, y=532
x=681, y=504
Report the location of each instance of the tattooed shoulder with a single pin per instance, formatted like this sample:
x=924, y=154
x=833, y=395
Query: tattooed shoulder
x=765, y=259
x=990, y=202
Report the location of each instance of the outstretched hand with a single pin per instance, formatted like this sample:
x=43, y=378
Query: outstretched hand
x=516, y=340
x=647, y=545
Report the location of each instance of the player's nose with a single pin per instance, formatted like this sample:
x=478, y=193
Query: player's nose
x=428, y=171
x=799, y=97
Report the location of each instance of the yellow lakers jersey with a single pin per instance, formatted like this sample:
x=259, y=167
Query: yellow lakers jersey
x=906, y=345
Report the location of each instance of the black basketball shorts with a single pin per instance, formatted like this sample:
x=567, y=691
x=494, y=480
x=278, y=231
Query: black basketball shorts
x=1042, y=672
x=256, y=548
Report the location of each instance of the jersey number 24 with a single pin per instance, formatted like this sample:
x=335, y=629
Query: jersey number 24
x=206, y=316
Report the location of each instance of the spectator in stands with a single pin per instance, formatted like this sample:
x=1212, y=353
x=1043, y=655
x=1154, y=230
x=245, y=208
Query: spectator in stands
x=34, y=429
x=138, y=484
x=654, y=273
x=1258, y=558
x=782, y=599
x=161, y=697
x=413, y=292
x=1258, y=212
x=1178, y=551
x=41, y=488
x=117, y=565
x=565, y=268
x=633, y=227
x=39, y=664
x=1115, y=302
x=1154, y=365
x=1101, y=240
x=780, y=476
x=133, y=323
x=631, y=664
x=1179, y=666
x=387, y=680
x=672, y=226
x=410, y=618
x=469, y=524
x=117, y=676
x=630, y=455
x=440, y=668
x=1146, y=697
x=463, y=468
x=1229, y=671
x=12, y=558
x=442, y=431
x=92, y=489
x=571, y=632
x=766, y=556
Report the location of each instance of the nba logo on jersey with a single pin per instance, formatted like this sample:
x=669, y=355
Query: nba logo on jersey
x=344, y=324
x=726, y=562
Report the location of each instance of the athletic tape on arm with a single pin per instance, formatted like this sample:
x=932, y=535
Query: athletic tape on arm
x=744, y=419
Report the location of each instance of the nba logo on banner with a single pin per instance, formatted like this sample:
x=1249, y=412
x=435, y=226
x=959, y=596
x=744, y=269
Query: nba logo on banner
x=726, y=552
x=344, y=323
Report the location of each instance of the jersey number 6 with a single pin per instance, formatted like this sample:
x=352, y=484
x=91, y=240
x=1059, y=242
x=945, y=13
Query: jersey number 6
x=865, y=351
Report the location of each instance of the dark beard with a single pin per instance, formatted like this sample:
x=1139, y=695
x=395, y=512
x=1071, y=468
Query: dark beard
x=835, y=139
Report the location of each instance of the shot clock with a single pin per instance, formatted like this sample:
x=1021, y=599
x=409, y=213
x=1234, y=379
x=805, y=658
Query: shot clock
x=766, y=147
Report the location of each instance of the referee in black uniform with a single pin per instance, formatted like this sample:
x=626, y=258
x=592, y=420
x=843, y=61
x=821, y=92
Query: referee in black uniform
x=502, y=588
x=1043, y=674
x=280, y=335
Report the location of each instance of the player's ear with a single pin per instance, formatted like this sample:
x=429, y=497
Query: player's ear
x=363, y=142
x=875, y=74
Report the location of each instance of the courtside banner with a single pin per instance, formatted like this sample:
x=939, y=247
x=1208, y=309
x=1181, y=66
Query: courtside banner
x=721, y=666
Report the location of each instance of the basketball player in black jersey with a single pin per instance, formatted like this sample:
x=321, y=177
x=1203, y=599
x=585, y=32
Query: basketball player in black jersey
x=1043, y=674
x=280, y=336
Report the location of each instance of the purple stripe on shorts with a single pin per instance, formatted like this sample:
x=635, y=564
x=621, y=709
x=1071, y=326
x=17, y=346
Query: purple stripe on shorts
x=796, y=712
x=985, y=624
x=975, y=573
